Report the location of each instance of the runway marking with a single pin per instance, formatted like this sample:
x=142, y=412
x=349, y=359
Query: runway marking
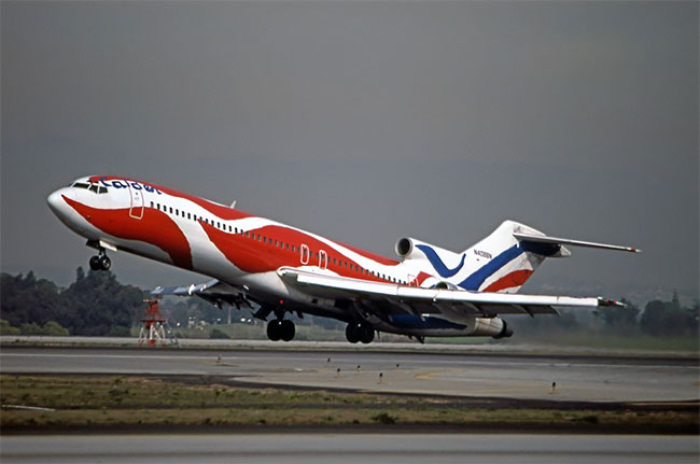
x=431, y=374
x=26, y=408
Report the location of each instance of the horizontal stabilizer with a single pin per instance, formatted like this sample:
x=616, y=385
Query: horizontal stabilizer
x=565, y=241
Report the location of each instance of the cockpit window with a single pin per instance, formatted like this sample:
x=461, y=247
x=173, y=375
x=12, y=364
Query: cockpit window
x=94, y=188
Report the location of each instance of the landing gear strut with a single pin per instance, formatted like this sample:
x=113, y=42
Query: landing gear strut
x=359, y=332
x=281, y=329
x=100, y=262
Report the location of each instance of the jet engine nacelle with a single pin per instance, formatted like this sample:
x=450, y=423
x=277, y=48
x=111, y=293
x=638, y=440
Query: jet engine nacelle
x=411, y=248
x=491, y=327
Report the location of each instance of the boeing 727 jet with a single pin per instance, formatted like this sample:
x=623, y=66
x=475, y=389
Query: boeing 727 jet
x=276, y=269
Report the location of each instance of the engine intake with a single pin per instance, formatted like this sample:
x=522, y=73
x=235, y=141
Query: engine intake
x=404, y=247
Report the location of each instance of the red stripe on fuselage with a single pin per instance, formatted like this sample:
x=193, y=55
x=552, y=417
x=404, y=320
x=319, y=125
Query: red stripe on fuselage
x=514, y=279
x=271, y=249
x=155, y=228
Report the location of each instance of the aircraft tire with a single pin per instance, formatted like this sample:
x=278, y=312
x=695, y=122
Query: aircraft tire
x=274, y=330
x=105, y=262
x=366, y=332
x=287, y=330
x=95, y=263
x=352, y=333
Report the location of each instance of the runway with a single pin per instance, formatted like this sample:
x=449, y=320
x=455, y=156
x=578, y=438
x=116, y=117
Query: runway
x=562, y=378
x=347, y=448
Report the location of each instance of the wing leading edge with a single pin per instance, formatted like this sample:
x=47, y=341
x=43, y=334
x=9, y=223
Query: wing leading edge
x=452, y=303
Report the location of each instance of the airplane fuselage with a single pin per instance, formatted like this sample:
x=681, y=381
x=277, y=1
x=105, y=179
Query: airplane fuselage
x=230, y=245
x=286, y=269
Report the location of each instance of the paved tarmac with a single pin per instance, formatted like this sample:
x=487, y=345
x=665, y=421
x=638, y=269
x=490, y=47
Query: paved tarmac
x=561, y=378
x=347, y=448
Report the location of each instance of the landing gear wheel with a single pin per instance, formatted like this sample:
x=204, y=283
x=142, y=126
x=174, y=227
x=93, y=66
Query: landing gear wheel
x=105, y=262
x=274, y=330
x=351, y=333
x=359, y=332
x=100, y=262
x=95, y=264
x=366, y=333
x=288, y=330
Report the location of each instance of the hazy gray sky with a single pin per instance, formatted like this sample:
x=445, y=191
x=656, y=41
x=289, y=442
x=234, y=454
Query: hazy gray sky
x=366, y=122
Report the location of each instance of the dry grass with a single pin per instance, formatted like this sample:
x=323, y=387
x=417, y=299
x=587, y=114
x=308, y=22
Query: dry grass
x=136, y=401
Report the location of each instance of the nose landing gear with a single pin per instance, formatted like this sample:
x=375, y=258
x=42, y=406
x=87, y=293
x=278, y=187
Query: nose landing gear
x=100, y=262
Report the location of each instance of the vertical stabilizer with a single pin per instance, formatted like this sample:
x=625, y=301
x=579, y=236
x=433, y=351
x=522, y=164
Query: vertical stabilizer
x=502, y=263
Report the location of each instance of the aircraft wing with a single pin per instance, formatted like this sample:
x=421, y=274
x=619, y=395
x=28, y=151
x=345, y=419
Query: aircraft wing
x=456, y=304
x=214, y=291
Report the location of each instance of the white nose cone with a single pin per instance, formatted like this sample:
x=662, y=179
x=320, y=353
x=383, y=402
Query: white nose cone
x=56, y=202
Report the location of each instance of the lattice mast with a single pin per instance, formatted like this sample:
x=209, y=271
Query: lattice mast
x=154, y=327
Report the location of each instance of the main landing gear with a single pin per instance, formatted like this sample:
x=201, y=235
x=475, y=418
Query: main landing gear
x=281, y=329
x=359, y=332
x=100, y=262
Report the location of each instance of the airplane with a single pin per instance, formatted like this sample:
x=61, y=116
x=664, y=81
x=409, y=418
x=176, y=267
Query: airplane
x=276, y=269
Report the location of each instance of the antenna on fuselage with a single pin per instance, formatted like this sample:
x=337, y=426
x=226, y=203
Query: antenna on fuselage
x=233, y=205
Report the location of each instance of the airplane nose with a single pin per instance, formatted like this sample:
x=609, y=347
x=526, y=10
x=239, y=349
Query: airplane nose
x=56, y=202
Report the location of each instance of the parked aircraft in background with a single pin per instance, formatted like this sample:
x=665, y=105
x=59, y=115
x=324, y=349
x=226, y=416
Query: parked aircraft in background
x=276, y=269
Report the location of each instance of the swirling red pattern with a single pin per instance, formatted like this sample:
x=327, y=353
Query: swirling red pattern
x=155, y=228
x=253, y=255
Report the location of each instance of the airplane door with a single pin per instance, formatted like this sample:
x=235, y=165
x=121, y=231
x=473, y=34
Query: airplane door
x=322, y=259
x=137, y=201
x=305, y=253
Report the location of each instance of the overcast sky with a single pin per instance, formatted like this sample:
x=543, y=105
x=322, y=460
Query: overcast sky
x=366, y=122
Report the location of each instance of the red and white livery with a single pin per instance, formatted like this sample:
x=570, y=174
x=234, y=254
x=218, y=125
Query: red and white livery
x=278, y=269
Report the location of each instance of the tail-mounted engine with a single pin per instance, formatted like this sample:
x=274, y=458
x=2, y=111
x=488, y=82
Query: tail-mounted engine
x=410, y=248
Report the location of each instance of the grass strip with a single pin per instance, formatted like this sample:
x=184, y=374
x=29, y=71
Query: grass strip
x=126, y=401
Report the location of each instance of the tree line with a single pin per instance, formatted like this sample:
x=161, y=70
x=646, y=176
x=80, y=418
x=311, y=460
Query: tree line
x=96, y=304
